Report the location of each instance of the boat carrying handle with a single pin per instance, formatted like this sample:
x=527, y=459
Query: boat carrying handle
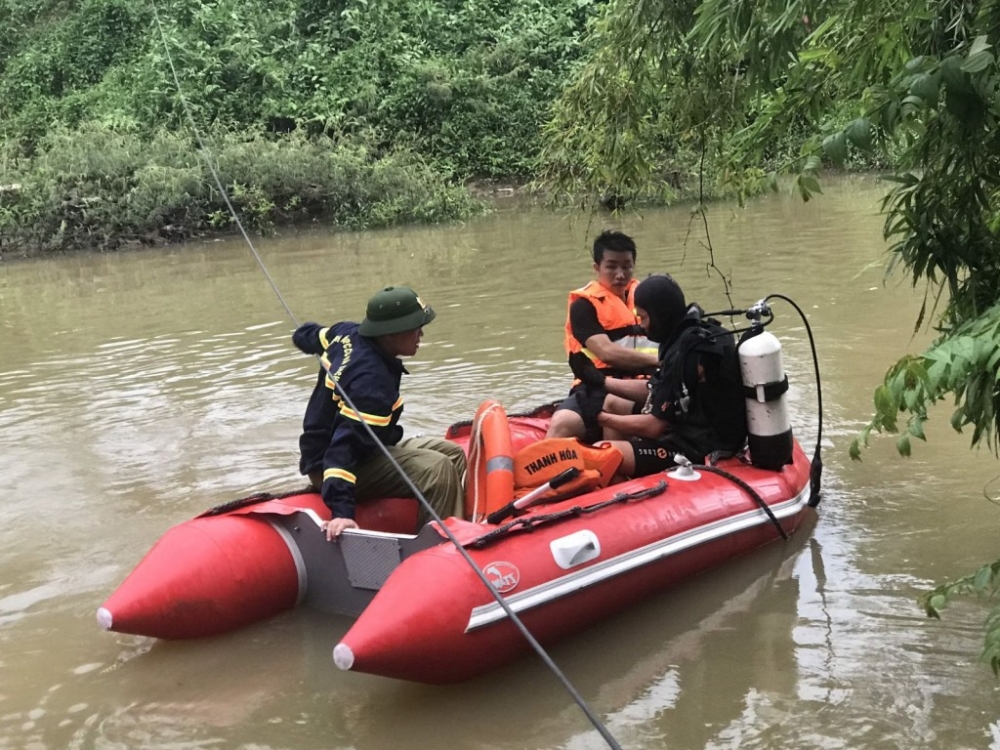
x=527, y=500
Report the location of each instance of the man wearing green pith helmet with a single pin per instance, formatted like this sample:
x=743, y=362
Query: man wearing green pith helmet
x=338, y=453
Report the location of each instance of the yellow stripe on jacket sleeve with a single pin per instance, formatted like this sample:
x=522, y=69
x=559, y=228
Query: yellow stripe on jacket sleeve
x=323, y=340
x=340, y=474
x=375, y=420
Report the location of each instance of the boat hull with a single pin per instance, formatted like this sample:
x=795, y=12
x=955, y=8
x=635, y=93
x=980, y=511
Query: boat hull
x=423, y=612
x=435, y=621
x=204, y=577
x=224, y=570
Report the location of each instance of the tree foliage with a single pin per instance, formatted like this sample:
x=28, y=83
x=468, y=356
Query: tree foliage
x=913, y=83
x=467, y=84
x=420, y=95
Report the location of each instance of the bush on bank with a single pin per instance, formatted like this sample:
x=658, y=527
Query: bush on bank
x=95, y=188
x=364, y=109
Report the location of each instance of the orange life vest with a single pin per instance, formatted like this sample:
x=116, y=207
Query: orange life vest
x=612, y=313
x=537, y=463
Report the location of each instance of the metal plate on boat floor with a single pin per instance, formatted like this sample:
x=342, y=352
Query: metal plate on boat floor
x=369, y=560
x=345, y=575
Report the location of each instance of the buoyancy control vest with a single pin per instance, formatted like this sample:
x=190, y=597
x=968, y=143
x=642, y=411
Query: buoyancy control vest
x=700, y=385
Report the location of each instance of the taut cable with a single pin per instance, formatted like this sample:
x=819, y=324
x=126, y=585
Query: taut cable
x=205, y=154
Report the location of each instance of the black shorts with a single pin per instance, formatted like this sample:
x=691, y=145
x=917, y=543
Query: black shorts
x=587, y=401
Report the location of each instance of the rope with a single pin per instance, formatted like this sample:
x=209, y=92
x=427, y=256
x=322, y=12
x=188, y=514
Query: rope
x=205, y=155
x=598, y=725
x=255, y=499
x=529, y=523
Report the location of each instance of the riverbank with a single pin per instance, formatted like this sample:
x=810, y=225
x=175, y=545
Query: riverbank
x=105, y=191
x=99, y=191
x=95, y=190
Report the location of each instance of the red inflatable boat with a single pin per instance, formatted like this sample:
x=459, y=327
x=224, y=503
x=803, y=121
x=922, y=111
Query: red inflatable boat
x=423, y=613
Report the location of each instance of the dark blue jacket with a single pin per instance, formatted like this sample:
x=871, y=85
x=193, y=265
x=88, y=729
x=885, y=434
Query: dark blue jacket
x=334, y=437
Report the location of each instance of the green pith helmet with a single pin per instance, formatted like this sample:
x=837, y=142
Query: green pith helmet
x=393, y=310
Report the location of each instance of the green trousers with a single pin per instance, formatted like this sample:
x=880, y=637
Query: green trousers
x=434, y=465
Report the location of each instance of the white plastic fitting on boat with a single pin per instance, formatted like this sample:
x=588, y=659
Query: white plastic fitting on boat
x=343, y=657
x=685, y=470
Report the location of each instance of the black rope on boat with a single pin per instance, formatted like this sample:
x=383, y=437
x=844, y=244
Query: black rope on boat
x=750, y=491
x=532, y=641
x=530, y=523
x=243, y=502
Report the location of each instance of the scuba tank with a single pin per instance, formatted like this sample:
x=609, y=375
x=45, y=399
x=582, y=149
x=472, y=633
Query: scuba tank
x=764, y=386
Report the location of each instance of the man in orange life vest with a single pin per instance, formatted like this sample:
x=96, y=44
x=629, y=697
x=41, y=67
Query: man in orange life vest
x=603, y=337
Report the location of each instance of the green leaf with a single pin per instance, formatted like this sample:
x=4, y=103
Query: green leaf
x=937, y=603
x=854, y=451
x=978, y=62
x=916, y=429
x=814, y=53
x=859, y=132
x=835, y=147
x=884, y=402
x=810, y=183
x=925, y=87
x=979, y=44
x=983, y=579
x=903, y=445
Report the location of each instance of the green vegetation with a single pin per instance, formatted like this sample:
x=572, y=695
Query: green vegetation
x=95, y=188
x=363, y=112
x=914, y=84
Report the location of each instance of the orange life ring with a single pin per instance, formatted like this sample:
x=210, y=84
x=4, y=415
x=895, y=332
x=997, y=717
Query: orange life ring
x=489, y=482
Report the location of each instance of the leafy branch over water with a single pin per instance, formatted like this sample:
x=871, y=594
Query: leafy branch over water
x=913, y=84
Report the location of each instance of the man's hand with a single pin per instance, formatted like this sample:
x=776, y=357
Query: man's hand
x=334, y=527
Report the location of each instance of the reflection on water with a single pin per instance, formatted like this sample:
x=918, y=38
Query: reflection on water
x=138, y=390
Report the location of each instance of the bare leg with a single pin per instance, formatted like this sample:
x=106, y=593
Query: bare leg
x=628, y=457
x=566, y=423
x=616, y=405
